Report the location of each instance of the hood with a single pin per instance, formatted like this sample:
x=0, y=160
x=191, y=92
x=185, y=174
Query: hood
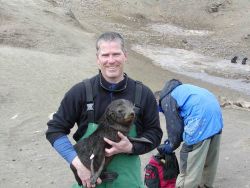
x=168, y=87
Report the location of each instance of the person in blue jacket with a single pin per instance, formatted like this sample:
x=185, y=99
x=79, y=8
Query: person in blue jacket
x=193, y=116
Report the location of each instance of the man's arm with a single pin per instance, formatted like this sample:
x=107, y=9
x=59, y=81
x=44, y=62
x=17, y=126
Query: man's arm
x=68, y=113
x=63, y=120
x=174, y=122
x=64, y=147
x=83, y=173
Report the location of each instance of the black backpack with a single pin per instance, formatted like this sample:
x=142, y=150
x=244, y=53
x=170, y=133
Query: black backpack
x=161, y=171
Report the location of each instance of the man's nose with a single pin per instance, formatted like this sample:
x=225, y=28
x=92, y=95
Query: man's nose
x=111, y=59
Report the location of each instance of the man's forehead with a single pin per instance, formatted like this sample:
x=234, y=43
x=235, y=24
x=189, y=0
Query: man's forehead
x=114, y=43
x=106, y=48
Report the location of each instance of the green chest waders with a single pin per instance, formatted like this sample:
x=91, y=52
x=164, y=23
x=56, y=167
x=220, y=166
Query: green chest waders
x=128, y=167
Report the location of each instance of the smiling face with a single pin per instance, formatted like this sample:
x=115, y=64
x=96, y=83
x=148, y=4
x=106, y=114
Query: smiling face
x=111, y=59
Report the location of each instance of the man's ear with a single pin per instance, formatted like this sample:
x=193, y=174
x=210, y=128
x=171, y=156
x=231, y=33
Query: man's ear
x=98, y=65
x=97, y=61
x=126, y=55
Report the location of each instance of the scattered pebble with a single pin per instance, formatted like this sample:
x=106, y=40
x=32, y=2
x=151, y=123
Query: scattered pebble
x=14, y=117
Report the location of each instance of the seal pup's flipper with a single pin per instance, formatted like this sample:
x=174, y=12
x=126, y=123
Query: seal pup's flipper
x=141, y=139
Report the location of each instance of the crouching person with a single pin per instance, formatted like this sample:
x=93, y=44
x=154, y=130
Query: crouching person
x=193, y=116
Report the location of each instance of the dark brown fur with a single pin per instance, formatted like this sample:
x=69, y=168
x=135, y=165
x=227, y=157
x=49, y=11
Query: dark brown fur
x=119, y=116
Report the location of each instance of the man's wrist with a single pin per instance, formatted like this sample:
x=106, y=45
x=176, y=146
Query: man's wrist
x=76, y=162
x=130, y=148
x=132, y=151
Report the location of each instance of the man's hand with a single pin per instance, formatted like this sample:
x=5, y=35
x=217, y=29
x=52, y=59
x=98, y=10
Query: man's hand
x=165, y=148
x=83, y=173
x=124, y=146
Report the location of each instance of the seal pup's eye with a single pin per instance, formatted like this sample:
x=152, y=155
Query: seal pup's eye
x=113, y=115
x=120, y=111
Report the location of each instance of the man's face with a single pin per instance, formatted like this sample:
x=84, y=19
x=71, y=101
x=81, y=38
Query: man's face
x=110, y=60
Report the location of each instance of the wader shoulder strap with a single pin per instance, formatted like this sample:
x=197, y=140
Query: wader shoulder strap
x=138, y=93
x=89, y=100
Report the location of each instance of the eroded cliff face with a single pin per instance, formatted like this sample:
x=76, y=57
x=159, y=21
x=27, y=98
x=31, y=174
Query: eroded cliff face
x=34, y=24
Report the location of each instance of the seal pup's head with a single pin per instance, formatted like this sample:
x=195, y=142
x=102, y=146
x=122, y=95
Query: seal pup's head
x=120, y=111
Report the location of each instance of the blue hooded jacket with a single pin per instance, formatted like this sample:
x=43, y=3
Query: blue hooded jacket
x=192, y=114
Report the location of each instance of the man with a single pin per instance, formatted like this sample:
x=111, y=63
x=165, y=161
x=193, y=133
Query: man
x=193, y=115
x=111, y=83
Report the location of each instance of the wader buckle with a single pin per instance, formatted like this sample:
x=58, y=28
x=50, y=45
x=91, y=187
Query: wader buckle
x=90, y=106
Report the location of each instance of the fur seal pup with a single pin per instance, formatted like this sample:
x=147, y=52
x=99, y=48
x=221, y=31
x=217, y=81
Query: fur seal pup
x=244, y=61
x=233, y=60
x=118, y=116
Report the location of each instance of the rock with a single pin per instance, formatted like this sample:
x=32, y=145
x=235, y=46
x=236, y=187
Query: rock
x=213, y=9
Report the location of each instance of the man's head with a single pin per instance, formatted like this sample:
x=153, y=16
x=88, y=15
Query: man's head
x=111, y=56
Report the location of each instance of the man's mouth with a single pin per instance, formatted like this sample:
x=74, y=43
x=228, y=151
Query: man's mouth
x=112, y=68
